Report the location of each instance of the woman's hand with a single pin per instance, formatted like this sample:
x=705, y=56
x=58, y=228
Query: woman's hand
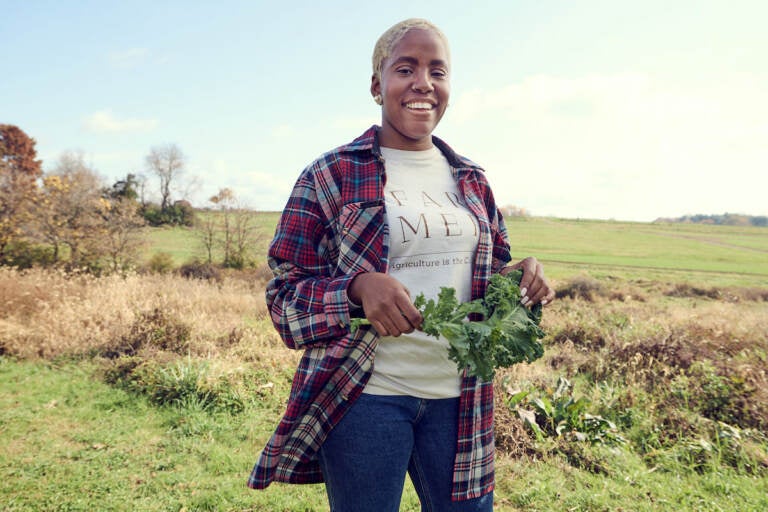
x=386, y=302
x=533, y=286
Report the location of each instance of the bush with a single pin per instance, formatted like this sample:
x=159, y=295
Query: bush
x=24, y=255
x=151, y=330
x=199, y=270
x=185, y=384
x=180, y=213
x=581, y=287
x=161, y=262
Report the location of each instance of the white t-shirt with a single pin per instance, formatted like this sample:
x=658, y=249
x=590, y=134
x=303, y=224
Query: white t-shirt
x=433, y=238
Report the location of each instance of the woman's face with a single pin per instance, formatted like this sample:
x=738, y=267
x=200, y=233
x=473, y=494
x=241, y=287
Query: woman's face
x=415, y=87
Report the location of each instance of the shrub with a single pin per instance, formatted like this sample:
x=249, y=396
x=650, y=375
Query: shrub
x=161, y=262
x=154, y=330
x=199, y=270
x=557, y=413
x=581, y=287
x=687, y=290
x=180, y=213
x=185, y=384
x=24, y=255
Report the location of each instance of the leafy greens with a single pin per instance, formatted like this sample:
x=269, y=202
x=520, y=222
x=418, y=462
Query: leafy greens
x=507, y=334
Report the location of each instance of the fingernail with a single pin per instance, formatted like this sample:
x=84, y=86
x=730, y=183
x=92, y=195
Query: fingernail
x=544, y=302
x=524, y=291
x=524, y=301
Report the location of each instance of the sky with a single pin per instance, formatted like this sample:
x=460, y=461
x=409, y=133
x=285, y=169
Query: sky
x=595, y=109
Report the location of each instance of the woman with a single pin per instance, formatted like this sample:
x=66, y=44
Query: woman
x=394, y=211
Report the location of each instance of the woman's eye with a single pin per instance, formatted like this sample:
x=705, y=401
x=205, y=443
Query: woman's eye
x=404, y=71
x=439, y=73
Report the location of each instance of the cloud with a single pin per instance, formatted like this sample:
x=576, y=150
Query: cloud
x=127, y=59
x=104, y=121
x=627, y=146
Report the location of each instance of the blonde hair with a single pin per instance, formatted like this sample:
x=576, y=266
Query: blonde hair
x=394, y=34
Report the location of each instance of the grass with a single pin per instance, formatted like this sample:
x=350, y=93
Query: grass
x=73, y=443
x=184, y=244
x=154, y=392
x=668, y=252
x=723, y=255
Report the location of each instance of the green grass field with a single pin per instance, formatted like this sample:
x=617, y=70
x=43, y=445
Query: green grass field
x=693, y=253
x=71, y=443
x=701, y=254
x=667, y=368
x=184, y=244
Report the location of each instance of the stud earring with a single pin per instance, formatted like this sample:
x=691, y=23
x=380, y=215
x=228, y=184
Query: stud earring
x=378, y=99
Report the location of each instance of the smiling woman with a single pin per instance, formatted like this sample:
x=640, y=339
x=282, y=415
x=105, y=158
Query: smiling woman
x=412, y=83
x=394, y=211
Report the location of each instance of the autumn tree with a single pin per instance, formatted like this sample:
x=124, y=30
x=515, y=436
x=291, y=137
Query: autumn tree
x=19, y=170
x=121, y=232
x=167, y=163
x=85, y=223
x=70, y=209
x=232, y=229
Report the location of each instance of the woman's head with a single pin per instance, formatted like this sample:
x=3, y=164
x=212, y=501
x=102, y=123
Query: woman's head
x=411, y=82
x=394, y=34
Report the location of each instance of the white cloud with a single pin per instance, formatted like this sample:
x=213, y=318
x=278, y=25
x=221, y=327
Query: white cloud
x=626, y=146
x=105, y=121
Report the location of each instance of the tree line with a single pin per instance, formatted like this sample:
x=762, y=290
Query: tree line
x=725, y=219
x=69, y=217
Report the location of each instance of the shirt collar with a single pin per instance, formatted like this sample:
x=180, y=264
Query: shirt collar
x=369, y=141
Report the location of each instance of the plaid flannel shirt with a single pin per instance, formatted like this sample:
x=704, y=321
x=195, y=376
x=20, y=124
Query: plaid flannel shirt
x=333, y=228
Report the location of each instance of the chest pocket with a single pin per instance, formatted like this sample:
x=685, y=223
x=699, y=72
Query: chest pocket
x=363, y=235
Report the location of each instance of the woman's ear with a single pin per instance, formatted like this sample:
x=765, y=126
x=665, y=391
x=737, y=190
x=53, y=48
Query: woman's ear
x=375, y=86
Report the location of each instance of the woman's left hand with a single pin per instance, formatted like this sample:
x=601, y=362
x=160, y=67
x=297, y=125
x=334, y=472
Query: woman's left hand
x=533, y=285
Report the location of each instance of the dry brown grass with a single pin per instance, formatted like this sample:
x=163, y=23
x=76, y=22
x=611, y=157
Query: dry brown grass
x=706, y=339
x=639, y=335
x=48, y=314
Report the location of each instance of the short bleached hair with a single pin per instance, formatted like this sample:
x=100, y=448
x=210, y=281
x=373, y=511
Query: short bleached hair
x=394, y=34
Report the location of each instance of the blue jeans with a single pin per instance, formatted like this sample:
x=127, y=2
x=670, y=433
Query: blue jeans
x=366, y=456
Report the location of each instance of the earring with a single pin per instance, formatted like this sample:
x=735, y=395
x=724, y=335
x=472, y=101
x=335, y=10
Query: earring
x=378, y=99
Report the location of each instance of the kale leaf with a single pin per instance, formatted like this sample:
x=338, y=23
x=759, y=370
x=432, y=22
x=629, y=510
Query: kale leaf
x=499, y=333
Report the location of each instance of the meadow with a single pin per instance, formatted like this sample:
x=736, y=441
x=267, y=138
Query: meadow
x=150, y=391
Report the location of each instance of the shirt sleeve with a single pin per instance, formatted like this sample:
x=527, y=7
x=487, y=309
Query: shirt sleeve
x=308, y=306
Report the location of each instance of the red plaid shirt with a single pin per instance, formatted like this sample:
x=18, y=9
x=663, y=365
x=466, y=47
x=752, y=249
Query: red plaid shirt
x=333, y=228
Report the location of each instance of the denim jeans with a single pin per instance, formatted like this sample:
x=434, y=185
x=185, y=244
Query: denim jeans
x=366, y=456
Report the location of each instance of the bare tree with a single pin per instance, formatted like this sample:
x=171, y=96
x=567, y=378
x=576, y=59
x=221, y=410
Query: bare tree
x=122, y=235
x=167, y=163
x=234, y=230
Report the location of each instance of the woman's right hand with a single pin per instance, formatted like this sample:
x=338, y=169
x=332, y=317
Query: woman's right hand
x=386, y=302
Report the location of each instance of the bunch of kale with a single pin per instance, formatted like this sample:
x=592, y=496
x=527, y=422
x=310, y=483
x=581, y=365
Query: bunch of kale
x=496, y=331
x=506, y=333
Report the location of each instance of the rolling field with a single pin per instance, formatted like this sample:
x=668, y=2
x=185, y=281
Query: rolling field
x=691, y=253
x=149, y=391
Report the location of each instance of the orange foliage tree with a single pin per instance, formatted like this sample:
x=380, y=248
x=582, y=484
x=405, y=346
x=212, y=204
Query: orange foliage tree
x=19, y=171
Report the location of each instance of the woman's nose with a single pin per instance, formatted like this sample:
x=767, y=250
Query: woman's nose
x=423, y=82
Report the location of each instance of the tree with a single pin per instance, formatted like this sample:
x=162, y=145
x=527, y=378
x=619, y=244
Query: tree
x=233, y=229
x=127, y=188
x=19, y=170
x=167, y=163
x=122, y=236
x=70, y=210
